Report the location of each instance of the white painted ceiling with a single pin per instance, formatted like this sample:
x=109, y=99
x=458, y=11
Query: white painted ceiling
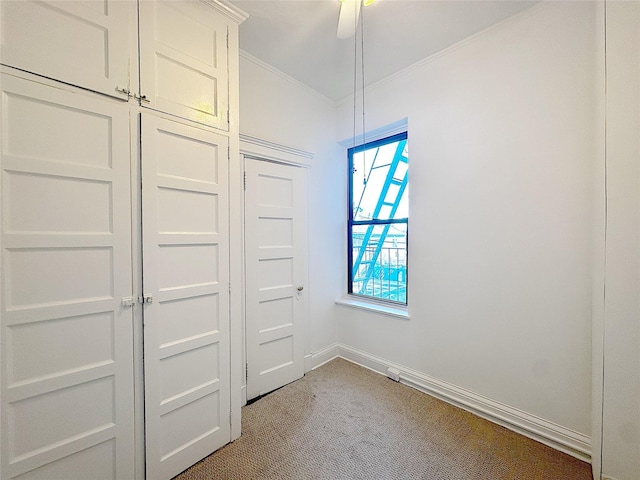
x=298, y=37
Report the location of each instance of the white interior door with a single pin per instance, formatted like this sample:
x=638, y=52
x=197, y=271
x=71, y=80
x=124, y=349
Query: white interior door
x=67, y=359
x=186, y=272
x=183, y=60
x=81, y=42
x=276, y=242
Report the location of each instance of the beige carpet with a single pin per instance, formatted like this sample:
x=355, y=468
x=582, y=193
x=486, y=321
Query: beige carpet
x=342, y=421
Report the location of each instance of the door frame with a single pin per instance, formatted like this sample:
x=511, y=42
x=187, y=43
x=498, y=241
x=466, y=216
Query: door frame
x=263, y=150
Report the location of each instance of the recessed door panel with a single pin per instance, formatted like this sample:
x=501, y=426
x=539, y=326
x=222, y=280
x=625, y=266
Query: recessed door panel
x=277, y=354
x=182, y=318
x=186, y=34
x=181, y=266
x=276, y=313
x=67, y=359
x=185, y=211
x=39, y=349
x=84, y=43
x=96, y=463
x=275, y=232
x=186, y=271
x=187, y=158
x=183, y=61
x=179, y=427
x=178, y=376
x=275, y=272
x=59, y=416
x=46, y=276
x=275, y=191
x=58, y=145
x=54, y=205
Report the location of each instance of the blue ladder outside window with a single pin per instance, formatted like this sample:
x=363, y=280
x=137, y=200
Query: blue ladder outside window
x=372, y=269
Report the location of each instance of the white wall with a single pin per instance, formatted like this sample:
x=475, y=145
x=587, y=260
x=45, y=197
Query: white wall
x=277, y=109
x=621, y=412
x=507, y=211
x=502, y=136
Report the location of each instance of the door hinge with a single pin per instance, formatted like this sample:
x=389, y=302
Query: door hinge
x=229, y=287
x=246, y=371
x=245, y=180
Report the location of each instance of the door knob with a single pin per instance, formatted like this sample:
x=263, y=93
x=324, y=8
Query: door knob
x=300, y=288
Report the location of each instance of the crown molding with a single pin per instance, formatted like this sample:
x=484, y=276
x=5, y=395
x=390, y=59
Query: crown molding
x=270, y=68
x=265, y=149
x=227, y=9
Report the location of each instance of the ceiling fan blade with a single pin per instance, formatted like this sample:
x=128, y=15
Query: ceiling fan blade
x=348, y=19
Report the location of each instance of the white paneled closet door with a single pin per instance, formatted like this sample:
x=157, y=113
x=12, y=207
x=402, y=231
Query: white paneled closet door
x=66, y=338
x=186, y=284
x=81, y=42
x=276, y=250
x=183, y=61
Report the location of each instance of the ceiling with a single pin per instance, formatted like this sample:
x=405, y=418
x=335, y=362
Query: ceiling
x=298, y=37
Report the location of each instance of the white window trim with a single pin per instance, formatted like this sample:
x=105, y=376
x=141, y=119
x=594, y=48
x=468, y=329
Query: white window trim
x=372, y=303
x=362, y=303
x=383, y=308
x=394, y=128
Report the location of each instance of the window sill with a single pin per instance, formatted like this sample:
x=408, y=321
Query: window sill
x=400, y=311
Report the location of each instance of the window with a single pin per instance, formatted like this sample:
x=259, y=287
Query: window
x=379, y=219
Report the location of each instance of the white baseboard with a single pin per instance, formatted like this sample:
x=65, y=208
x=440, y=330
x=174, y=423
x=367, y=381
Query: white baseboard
x=314, y=360
x=556, y=436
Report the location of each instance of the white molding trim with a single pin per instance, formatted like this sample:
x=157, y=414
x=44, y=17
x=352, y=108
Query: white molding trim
x=319, y=358
x=553, y=435
x=243, y=395
x=399, y=311
x=399, y=126
x=228, y=10
x=279, y=73
x=264, y=149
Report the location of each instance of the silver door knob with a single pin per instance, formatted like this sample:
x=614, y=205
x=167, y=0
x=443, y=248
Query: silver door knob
x=300, y=288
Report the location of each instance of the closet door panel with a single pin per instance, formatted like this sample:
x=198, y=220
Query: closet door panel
x=186, y=271
x=67, y=360
x=83, y=43
x=183, y=61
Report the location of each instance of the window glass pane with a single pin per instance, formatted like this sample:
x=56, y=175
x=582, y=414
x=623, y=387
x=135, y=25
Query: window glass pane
x=380, y=187
x=379, y=265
